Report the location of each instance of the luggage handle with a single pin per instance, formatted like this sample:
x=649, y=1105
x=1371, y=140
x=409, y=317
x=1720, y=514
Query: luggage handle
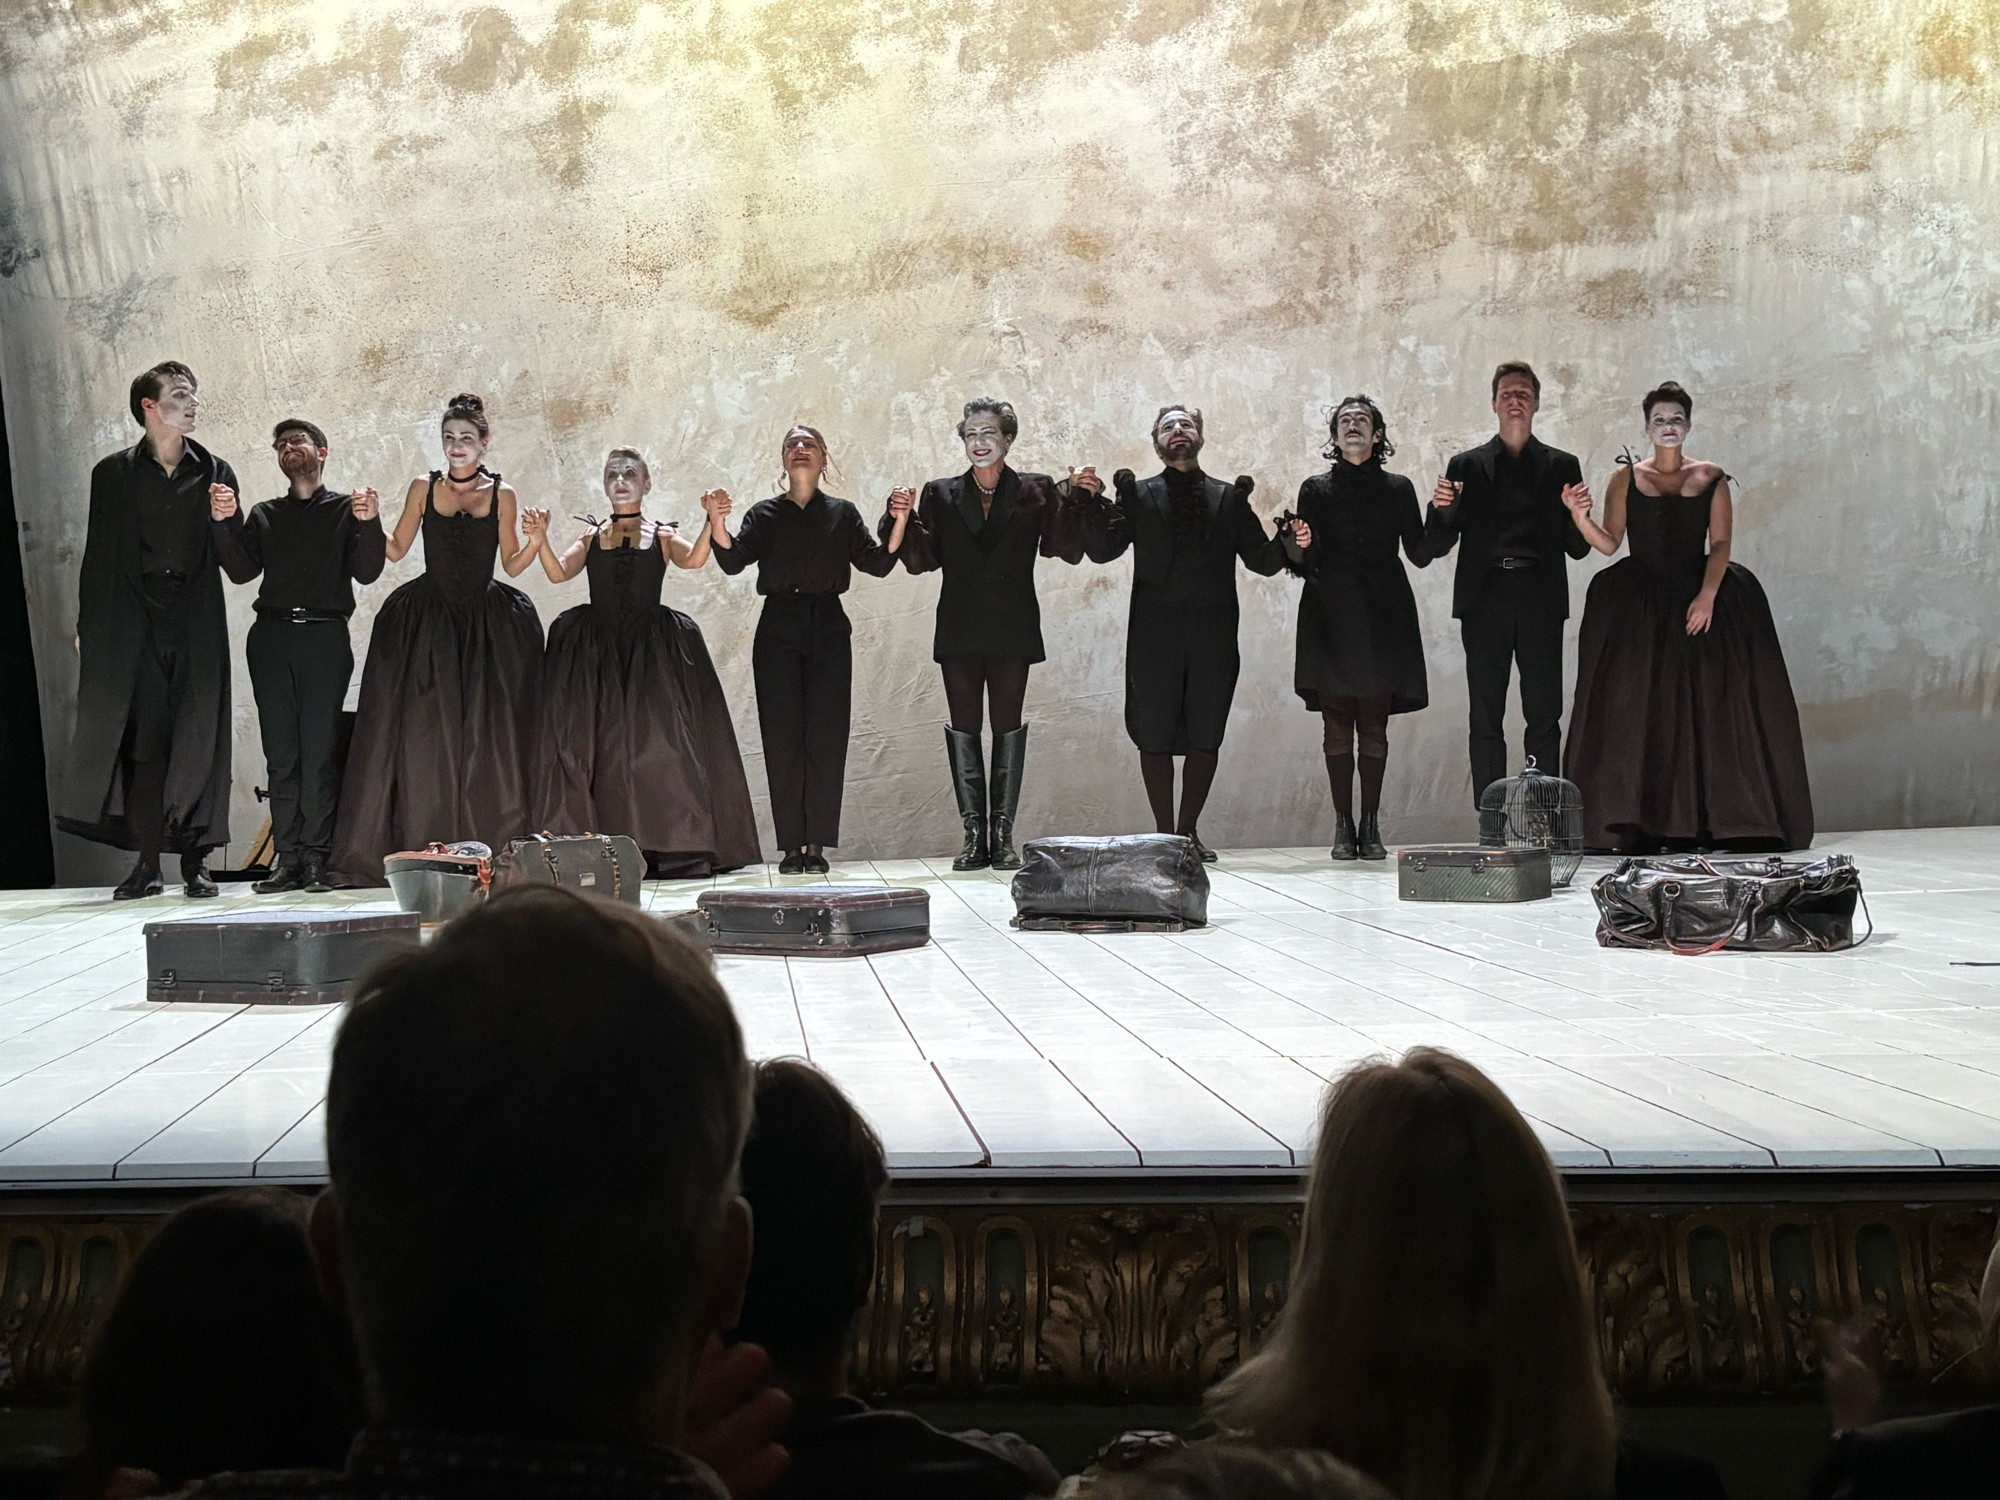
x=548, y=843
x=1746, y=908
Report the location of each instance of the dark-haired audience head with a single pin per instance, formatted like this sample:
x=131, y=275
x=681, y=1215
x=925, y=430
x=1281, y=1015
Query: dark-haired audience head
x=1669, y=412
x=628, y=478
x=1436, y=1334
x=1353, y=426
x=1239, y=1471
x=1178, y=433
x=465, y=433
x=813, y=1173
x=532, y=1132
x=301, y=448
x=219, y=1352
x=166, y=393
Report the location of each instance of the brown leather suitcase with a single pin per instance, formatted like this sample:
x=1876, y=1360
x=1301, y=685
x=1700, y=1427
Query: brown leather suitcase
x=817, y=921
x=292, y=957
x=593, y=864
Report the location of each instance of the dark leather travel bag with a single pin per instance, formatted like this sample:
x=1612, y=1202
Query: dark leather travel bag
x=596, y=864
x=1473, y=872
x=817, y=921
x=1145, y=882
x=440, y=881
x=292, y=957
x=1693, y=904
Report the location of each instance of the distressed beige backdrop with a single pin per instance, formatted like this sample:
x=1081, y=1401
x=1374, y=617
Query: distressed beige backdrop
x=683, y=225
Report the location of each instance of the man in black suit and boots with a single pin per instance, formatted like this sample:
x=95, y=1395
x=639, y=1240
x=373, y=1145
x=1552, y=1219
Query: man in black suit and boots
x=312, y=546
x=1509, y=501
x=148, y=766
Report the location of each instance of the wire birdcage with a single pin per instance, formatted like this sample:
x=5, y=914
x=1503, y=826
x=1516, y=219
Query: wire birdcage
x=1538, y=810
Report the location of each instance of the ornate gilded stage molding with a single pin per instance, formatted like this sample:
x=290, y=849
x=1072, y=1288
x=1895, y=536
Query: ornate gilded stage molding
x=1152, y=1301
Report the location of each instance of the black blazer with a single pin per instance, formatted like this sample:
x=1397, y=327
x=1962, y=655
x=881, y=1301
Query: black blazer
x=1142, y=518
x=987, y=606
x=1475, y=518
x=1951, y=1456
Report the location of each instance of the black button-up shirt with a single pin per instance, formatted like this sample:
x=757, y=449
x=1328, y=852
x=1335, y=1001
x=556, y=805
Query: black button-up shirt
x=806, y=549
x=173, y=508
x=1513, y=486
x=311, y=552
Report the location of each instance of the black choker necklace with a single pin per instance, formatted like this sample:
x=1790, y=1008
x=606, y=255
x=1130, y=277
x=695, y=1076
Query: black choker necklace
x=474, y=477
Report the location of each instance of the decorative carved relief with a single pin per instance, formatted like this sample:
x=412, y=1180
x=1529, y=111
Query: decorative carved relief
x=1641, y=1332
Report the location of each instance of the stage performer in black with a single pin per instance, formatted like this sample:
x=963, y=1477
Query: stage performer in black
x=444, y=736
x=1187, y=531
x=1509, y=501
x=312, y=546
x=985, y=528
x=805, y=544
x=1360, y=649
x=149, y=759
x=1684, y=733
x=635, y=731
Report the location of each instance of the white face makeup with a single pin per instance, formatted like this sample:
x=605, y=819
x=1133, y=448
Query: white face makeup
x=1177, y=434
x=1516, y=400
x=1668, y=425
x=625, y=481
x=177, y=405
x=985, y=444
x=463, y=446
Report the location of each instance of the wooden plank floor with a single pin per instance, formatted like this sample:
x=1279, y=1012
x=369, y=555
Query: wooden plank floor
x=996, y=1050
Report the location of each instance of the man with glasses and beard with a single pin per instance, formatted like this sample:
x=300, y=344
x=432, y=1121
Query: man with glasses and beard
x=311, y=545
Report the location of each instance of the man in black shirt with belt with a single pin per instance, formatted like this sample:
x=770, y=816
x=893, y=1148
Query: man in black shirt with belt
x=148, y=765
x=1509, y=501
x=312, y=546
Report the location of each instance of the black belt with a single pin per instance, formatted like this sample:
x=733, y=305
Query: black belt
x=1515, y=564
x=303, y=616
x=165, y=575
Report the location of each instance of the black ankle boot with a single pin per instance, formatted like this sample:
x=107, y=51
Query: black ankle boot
x=1010, y=756
x=1207, y=854
x=286, y=875
x=1371, y=838
x=1344, y=845
x=968, y=785
x=194, y=875
x=142, y=882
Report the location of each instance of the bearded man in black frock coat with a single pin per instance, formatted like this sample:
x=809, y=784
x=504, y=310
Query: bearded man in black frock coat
x=148, y=765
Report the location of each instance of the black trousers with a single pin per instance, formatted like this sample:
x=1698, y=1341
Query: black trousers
x=1513, y=623
x=803, y=663
x=299, y=670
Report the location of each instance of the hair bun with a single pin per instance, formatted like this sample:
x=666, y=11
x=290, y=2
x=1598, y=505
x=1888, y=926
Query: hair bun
x=467, y=401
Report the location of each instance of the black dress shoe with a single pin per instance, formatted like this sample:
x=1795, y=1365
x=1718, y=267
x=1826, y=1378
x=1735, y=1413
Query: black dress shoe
x=195, y=877
x=794, y=862
x=1345, y=845
x=142, y=882
x=312, y=875
x=812, y=862
x=1207, y=854
x=284, y=876
x=1371, y=838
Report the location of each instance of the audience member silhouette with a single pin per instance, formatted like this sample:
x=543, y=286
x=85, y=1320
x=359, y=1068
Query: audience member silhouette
x=1437, y=1335
x=532, y=1130
x=218, y=1353
x=1239, y=1471
x=813, y=1172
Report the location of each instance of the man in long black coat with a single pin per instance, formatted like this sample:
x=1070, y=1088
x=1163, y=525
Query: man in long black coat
x=148, y=765
x=1187, y=532
x=1506, y=500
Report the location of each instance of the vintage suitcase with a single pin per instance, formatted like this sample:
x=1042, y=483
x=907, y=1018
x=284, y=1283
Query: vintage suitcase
x=1468, y=872
x=817, y=921
x=1152, y=882
x=596, y=864
x=691, y=923
x=440, y=882
x=296, y=957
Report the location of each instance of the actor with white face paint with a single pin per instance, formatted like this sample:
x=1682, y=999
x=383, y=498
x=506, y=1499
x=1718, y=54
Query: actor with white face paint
x=985, y=529
x=1187, y=532
x=148, y=764
x=636, y=736
x=1684, y=733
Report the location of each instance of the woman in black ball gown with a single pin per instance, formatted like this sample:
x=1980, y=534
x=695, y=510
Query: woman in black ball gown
x=1684, y=733
x=444, y=739
x=1360, y=648
x=635, y=730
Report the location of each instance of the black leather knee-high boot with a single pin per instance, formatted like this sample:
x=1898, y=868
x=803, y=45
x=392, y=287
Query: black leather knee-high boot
x=1010, y=754
x=968, y=784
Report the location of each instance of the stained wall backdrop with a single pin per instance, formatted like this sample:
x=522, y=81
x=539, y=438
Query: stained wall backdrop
x=685, y=224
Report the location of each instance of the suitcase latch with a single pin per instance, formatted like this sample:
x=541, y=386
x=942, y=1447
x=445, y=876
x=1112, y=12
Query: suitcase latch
x=275, y=980
x=168, y=979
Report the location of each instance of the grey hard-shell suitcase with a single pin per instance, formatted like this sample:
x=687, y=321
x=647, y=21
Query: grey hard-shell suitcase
x=1468, y=872
x=295, y=957
x=817, y=921
x=442, y=881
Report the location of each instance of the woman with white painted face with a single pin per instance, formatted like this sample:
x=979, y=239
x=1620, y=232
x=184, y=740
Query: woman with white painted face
x=444, y=736
x=985, y=529
x=1684, y=733
x=635, y=731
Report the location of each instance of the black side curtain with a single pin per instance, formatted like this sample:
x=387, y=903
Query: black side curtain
x=27, y=856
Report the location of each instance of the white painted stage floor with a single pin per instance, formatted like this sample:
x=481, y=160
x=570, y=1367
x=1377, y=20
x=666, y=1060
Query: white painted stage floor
x=1205, y=1050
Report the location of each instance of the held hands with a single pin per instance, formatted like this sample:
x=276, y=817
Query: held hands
x=1086, y=479
x=1447, y=492
x=221, y=502
x=534, y=524
x=1302, y=534
x=366, y=504
x=1701, y=612
x=900, y=500
x=1577, y=498
x=718, y=505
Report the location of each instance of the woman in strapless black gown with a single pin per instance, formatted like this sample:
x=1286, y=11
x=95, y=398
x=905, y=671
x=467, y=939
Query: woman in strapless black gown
x=444, y=739
x=635, y=731
x=1684, y=733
